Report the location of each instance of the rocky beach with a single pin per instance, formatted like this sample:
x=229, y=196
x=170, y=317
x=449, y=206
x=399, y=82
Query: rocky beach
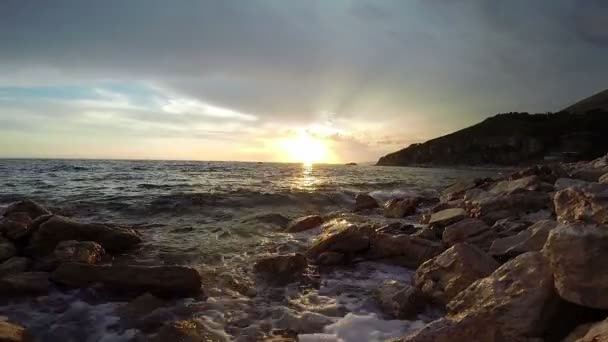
x=517, y=257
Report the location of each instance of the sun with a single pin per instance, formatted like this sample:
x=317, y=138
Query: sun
x=305, y=149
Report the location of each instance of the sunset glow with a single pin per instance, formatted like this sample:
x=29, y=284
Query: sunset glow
x=306, y=149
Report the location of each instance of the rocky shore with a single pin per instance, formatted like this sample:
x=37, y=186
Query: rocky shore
x=519, y=258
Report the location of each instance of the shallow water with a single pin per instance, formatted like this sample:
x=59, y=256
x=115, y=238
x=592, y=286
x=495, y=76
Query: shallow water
x=198, y=214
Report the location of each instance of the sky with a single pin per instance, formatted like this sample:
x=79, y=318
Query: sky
x=248, y=79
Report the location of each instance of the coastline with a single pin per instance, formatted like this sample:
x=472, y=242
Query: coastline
x=479, y=234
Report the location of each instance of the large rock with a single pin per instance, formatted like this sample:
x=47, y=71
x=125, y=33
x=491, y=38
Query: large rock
x=564, y=183
x=531, y=183
x=7, y=249
x=113, y=238
x=592, y=332
x=583, y=203
x=13, y=265
x=400, y=207
x=88, y=252
x=346, y=240
x=10, y=332
x=281, y=268
x=304, y=223
x=546, y=173
x=457, y=190
x=15, y=229
x=493, y=208
x=176, y=280
x=25, y=283
x=473, y=231
x=399, y=300
x=402, y=250
x=449, y=273
x=364, y=202
x=30, y=208
x=446, y=217
x=577, y=255
x=604, y=179
x=512, y=304
x=530, y=240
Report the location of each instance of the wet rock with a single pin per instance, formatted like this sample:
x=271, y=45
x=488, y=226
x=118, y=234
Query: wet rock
x=7, y=249
x=577, y=255
x=175, y=280
x=281, y=268
x=113, y=238
x=604, y=179
x=194, y=330
x=397, y=228
x=402, y=250
x=449, y=273
x=365, y=202
x=509, y=227
x=14, y=230
x=530, y=240
x=10, y=332
x=25, y=283
x=138, y=313
x=13, y=265
x=330, y=259
x=28, y=207
x=399, y=300
x=348, y=240
x=399, y=208
x=88, y=252
x=585, y=204
x=446, y=217
x=457, y=190
x=428, y=233
x=238, y=284
x=592, y=332
x=531, y=183
x=564, y=183
x=511, y=304
x=304, y=223
x=472, y=231
x=303, y=323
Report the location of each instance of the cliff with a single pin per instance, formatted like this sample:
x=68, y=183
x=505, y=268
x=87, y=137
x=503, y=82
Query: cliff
x=517, y=138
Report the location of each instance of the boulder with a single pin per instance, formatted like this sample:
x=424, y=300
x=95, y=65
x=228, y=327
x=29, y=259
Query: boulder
x=177, y=280
x=304, y=223
x=591, y=332
x=13, y=265
x=531, y=183
x=25, y=283
x=139, y=313
x=585, y=204
x=446, y=275
x=113, y=238
x=446, y=217
x=509, y=305
x=330, y=259
x=473, y=231
x=30, y=208
x=194, y=330
x=88, y=252
x=269, y=218
x=402, y=250
x=509, y=227
x=564, y=183
x=546, y=173
x=493, y=208
x=400, y=207
x=7, y=249
x=10, y=332
x=577, y=254
x=457, y=190
x=604, y=178
x=399, y=300
x=13, y=229
x=530, y=240
x=346, y=240
x=281, y=268
x=364, y=202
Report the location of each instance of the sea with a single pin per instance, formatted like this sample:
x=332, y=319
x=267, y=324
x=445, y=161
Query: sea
x=213, y=216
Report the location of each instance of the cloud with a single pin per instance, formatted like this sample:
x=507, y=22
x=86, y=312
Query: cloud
x=388, y=70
